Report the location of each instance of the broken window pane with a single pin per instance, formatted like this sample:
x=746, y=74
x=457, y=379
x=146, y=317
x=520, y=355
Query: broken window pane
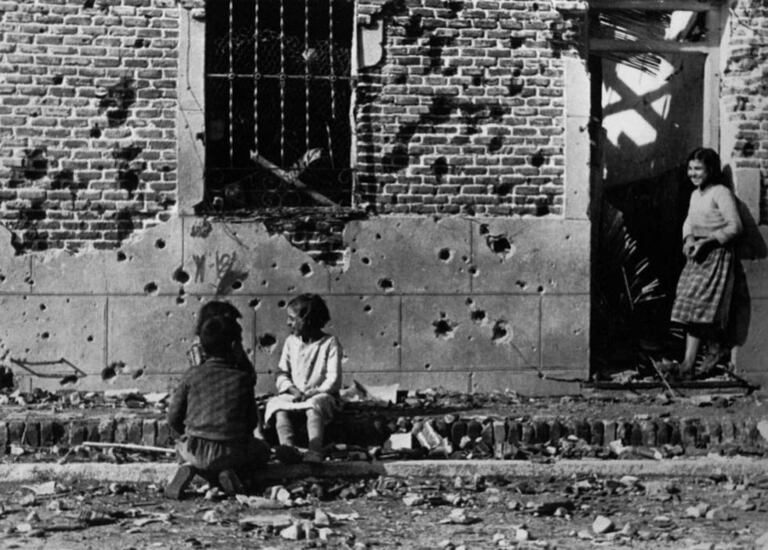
x=278, y=87
x=638, y=25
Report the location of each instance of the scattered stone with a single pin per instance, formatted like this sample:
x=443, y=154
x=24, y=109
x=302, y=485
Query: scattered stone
x=514, y=505
x=412, y=499
x=629, y=481
x=292, y=532
x=321, y=519
x=762, y=428
x=762, y=542
x=522, y=534
x=324, y=533
x=702, y=546
x=602, y=524
x=211, y=516
x=629, y=529
x=585, y=535
x=745, y=504
x=719, y=514
x=698, y=511
x=277, y=521
x=458, y=516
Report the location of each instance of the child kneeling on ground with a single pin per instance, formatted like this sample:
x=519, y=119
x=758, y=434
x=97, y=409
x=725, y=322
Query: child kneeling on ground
x=309, y=376
x=214, y=408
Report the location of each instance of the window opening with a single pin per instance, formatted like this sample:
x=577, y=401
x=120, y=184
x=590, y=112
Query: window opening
x=278, y=87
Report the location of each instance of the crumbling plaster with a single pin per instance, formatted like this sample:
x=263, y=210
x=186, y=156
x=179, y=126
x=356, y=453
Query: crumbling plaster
x=134, y=308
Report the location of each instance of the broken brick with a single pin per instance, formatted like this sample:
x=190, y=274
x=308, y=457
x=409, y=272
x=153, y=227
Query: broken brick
x=648, y=433
x=609, y=431
x=541, y=431
x=15, y=431
x=31, y=435
x=513, y=432
x=106, y=430
x=134, y=430
x=121, y=430
x=163, y=434
x=663, y=432
x=50, y=433
x=582, y=430
x=149, y=432
x=527, y=434
x=596, y=432
x=76, y=432
x=458, y=431
x=3, y=438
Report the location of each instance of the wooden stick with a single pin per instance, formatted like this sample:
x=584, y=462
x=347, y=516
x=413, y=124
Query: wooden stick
x=664, y=379
x=128, y=447
x=291, y=180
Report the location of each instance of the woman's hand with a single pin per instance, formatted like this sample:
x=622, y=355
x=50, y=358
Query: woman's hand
x=689, y=247
x=297, y=394
x=701, y=248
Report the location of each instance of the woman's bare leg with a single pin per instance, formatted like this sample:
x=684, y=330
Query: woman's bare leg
x=692, y=344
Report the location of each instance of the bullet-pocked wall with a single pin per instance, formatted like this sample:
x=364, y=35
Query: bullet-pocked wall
x=468, y=267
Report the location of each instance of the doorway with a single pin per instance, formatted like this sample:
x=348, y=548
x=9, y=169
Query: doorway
x=654, y=99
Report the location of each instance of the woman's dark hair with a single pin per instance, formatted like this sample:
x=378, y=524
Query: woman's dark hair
x=217, y=334
x=311, y=309
x=215, y=308
x=711, y=161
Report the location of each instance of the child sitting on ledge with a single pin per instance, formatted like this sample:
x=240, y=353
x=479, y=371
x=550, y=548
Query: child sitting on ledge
x=309, y=376
x=214, y=408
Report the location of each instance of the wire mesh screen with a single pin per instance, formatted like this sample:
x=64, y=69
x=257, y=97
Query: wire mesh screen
x=278, y=91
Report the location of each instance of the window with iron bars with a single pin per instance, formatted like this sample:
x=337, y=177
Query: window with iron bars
x=278, y=86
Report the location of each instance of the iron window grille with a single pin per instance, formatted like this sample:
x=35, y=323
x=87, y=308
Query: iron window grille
x=278, y=91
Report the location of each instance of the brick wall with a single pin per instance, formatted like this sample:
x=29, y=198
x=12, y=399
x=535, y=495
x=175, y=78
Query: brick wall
x=87, y=119
x=745, y=89
x=465, y=112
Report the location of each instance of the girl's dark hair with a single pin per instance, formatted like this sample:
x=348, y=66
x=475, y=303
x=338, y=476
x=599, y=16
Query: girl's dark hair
x=217, y=335
x=215, y=308
x=311, y=309
x=711, y=161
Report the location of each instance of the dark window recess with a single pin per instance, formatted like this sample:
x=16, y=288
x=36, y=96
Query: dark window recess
x=277, y=88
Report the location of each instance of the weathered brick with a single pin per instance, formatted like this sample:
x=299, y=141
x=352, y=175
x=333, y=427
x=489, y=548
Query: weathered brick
x=4, y=438
x=149, y=432
x=77, y=432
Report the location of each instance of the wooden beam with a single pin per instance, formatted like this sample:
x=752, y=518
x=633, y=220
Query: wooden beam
x=291, y=180
x=653, y=5
x=597, y=45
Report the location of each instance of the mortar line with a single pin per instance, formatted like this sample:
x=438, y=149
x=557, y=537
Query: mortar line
x=105, y=356
x=471, y=257
x=541, y=338
x=183, y=229
x=400, y=333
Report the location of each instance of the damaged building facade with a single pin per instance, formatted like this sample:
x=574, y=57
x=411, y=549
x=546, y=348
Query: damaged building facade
x=488, y=192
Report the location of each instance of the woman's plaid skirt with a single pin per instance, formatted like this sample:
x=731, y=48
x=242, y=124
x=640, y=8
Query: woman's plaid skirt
x=705, y=288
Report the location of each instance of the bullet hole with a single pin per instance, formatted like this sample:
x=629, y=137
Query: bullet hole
x=499, y=244
x=366, y=260
x=95, y=131
x=469, y=301
x=500, y=331
x=237, y=284
x=516, y=72
x=445, y=254
x=537, y=159
x=440, y=168
x=484, y=229
x=181, y=276
x=160, y=243
x=515, y=88
x=306, y=270
x=748, y=149
x=35, y=163
x=138, y=374
x=427, y=366
x=516, y=41
x=89, y=338
x=57, y=79
x=255, y=303
x=45, y=336
x=281, y=304
x=274, y=265
x=112, y=370
x=367, y=309
x=477, y=80
x=2, y=278
x=395, y=344
x=386, y=285
x=43, y=307
x=150, y=288
x=444, y=328
x=495, y=144
x=540, y=289
x=567, y=237
x=378, y=236
x=121, y=257
x=477, y=315
x=140, y=43
x=181, y=300
x=266, y=342
x=68, y=379
x=535, y=6
x=521, y=284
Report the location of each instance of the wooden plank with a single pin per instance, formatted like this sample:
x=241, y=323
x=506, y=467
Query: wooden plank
x=290, y=179
x=651, y=5
x=647, y=46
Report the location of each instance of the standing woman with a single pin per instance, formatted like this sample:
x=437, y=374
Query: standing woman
x=711, y=289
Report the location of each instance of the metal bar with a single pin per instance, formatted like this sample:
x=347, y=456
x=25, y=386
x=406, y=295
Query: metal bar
x=306, y=75
x=276, y=76
x=231, y=113
x=291, y=180
x=255, y=76
x=646, y=46
x=652, y=5
x=332, y=82
x=282, y=80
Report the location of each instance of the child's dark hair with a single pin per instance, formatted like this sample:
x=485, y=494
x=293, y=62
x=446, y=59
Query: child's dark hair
x=311, y=309
x=217, y=334
x=215, y=308
x=711, y=161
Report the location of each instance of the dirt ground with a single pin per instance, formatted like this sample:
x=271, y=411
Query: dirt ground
x=409, y=513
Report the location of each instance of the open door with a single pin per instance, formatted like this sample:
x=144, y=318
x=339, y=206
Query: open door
x=654, y=99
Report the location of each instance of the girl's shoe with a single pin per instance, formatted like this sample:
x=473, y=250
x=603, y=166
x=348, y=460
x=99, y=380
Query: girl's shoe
x=180, y=482
x=313, y=457
x=287, y=454
x=230, y=483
